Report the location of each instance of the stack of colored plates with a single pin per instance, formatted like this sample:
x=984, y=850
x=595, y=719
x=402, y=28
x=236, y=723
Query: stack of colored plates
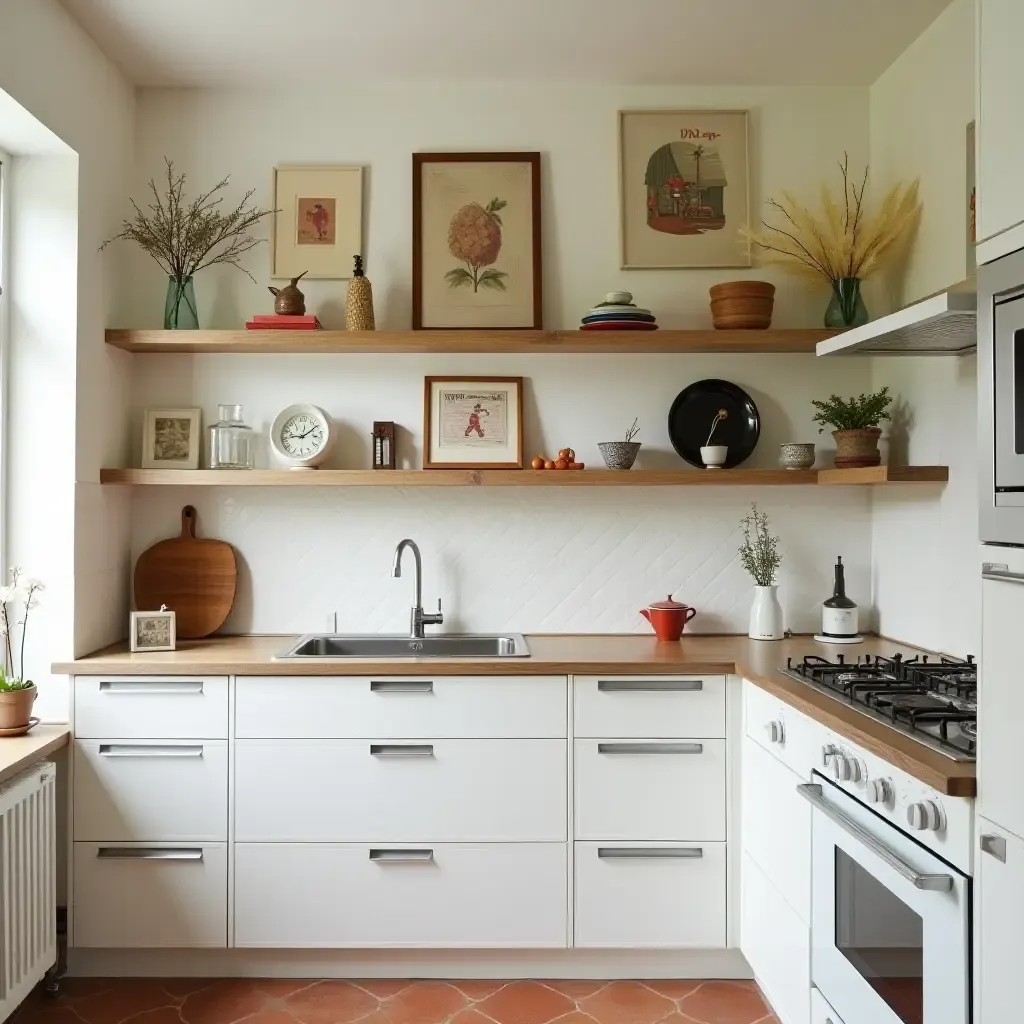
x=618, y=313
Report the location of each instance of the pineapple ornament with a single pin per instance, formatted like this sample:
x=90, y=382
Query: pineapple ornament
x=359, y=303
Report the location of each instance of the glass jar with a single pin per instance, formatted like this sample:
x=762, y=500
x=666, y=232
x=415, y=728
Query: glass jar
x=231, y=441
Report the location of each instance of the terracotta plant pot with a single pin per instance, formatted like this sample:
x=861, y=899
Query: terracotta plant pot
x=742, y=305
x=16, y=707
x=856, y=448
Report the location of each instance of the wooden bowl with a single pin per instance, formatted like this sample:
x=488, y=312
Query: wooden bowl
x=742, y=305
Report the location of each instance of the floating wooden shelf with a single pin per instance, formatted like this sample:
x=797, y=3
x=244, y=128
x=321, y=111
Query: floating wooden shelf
x=469, y=342
x=518, y=478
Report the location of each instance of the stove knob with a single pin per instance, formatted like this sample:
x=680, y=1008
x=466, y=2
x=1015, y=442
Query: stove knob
x=924, y=816
x=828, y=751
x=841, y=768
x=858, y=770
x=879, y=791
x=775, y=731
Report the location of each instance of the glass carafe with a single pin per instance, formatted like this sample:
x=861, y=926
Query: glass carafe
x=231, y=441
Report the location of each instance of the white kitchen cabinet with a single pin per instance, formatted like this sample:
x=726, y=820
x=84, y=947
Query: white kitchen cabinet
x=130, y=896
x=469, y=707
x=650, y=895
x=634, y=706
x=650, y=789
x=510, y=895
x=151, y=790
x=821, y=1011
x=776, y=943
x=1000, y=139
x=433, y=790
x=999, y=909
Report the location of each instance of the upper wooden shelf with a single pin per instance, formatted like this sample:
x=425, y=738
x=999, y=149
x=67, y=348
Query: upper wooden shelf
x=472, y=342
x=519, y=478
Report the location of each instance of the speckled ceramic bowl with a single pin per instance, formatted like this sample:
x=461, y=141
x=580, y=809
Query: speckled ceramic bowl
x=797, y=456
x=619, y=454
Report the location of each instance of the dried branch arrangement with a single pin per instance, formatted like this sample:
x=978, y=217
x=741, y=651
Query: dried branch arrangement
x=184, y=236
x=842, y=240
x=759, y=552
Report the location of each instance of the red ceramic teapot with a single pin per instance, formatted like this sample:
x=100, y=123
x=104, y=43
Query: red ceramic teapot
x=668, y=618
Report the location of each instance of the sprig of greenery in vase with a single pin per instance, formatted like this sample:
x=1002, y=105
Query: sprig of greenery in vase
x=759, y=552
x=25, y=591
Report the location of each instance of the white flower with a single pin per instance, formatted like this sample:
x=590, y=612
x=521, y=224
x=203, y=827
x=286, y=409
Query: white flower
x=8, y=594
x=30, y=589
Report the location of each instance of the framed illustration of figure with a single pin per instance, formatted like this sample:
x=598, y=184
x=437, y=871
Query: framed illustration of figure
x=473, y=423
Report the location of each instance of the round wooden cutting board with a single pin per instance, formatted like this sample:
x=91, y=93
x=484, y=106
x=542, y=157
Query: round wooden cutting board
x=195, y=578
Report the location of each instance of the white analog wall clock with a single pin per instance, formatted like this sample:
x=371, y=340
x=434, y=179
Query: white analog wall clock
x=302, y=435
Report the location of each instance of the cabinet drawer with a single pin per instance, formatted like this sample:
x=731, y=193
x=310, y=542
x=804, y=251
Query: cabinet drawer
x=659, y=706
x=151, y=708
x=150, y=896
x=148, y=791
x=474, y=707
x=795, y=740
x=650, y=789
x=345, y=791
x=821, y=1011
x=643, y=894
x=450, y=896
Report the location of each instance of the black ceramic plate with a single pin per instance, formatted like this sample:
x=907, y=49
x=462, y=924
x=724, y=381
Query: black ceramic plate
x=689, y=421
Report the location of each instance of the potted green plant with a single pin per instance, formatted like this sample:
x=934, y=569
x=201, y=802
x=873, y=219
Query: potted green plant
x=760, y=556
x=17, y=694
x=856, y=426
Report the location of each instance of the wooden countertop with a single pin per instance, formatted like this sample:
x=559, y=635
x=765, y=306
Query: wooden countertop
x=755, y=660
x=19, y=752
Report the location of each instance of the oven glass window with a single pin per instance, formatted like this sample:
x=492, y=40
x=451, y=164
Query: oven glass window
x=1018, y=392
x=881, y=937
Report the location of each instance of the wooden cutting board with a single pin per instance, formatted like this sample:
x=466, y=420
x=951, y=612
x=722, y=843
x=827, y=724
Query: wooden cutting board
x=195, y=578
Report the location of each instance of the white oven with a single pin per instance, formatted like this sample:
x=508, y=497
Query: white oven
x=890, y=919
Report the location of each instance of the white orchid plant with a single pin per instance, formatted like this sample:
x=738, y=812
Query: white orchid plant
x=22, y=591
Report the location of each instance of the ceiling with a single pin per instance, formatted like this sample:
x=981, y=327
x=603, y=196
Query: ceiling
x=639, y=42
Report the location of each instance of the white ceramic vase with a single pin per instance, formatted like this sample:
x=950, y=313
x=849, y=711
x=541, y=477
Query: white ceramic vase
x=766, y=615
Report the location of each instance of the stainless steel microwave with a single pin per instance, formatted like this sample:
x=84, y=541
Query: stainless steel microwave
x=1001, y=400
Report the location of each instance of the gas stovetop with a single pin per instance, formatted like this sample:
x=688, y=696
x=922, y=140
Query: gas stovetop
x=935, y=701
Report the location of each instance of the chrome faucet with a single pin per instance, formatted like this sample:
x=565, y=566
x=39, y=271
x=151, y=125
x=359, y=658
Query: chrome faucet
x=419, y=617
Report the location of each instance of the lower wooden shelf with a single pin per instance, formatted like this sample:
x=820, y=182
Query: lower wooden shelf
x=519, y=478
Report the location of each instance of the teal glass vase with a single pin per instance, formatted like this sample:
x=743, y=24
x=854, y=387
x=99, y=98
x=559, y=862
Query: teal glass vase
x=847, y=307
x=180, y=306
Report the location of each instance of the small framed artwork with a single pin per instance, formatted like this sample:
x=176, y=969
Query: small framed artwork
x=318, y=226
x=473, y=423
x=684, y=188
x=476, y=253
x=152, y=631
x=171, y=438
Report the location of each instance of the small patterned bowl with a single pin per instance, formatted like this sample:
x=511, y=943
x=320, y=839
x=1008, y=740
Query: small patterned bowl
x=797, y=456
x=619, y=454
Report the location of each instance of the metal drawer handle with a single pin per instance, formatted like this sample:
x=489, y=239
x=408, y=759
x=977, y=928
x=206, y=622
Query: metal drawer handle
x=401, y=856
x=650, y=685
x=650, y=748
x=994, y=846
x=149, y=853
x=999, y=571
x=148, y=750
x=401, y=685
x=165, y=687
x=402, y=749
x=935, y=883
x=650, y=852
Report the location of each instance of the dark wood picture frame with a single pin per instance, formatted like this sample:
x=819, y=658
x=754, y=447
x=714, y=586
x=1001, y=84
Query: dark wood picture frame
x=428, y=396
x=419, y=160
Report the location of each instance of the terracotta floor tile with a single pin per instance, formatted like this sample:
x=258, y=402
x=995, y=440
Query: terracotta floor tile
x=476, y=989
x=224, y=1002
x=329, y=1002
x=45, y=1012
x=382, y=987
x=123, y=999
x=181, y=987
x=576, y=1017
x=269, y=1017
x=526, y=1002
x=281, y=988
x=426, y=1002
x=575, y=989
x=76, y=988
x=470, y=1016
x=165, y=1015
x=724, y=1002
x=627, y=1002
x=673, y=988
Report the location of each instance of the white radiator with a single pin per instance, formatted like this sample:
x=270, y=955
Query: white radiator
x=28, y=883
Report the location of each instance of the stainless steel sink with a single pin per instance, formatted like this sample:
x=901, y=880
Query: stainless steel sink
x=336, y=645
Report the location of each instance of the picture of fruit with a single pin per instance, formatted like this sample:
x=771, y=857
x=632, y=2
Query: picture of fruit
x=549, y=464
x=474, y=237
x=538, y=462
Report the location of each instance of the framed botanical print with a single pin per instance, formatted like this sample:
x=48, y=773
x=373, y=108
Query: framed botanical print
x=473, y=423
x=152, y=631
x=476, y=252
x=171, y=438
x=684, y=188
x=318, y=226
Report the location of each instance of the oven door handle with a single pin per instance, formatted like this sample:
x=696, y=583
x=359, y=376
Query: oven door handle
x=936, y=883
x=999, y=572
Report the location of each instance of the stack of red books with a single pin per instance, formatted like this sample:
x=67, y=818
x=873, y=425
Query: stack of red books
x=276, y=322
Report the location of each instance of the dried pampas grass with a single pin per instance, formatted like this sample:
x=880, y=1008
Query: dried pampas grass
x=840, y=241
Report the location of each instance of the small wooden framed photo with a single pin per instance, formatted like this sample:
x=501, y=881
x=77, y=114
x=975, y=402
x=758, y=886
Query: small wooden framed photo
x=318, y=226
x=171, y=438
x=473, y=423
x=152, y=631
